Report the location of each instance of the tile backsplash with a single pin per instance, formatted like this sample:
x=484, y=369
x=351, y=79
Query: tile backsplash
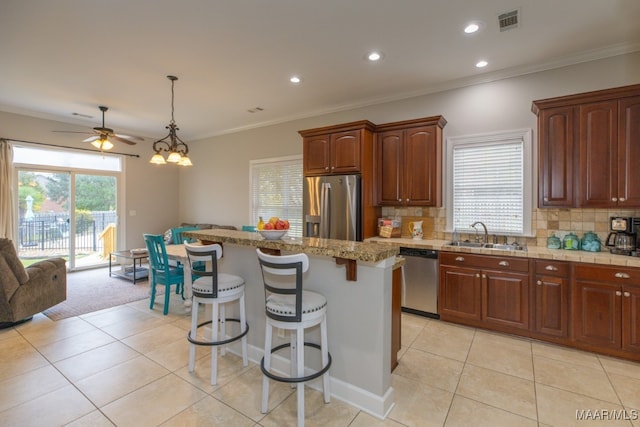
x=545, y=222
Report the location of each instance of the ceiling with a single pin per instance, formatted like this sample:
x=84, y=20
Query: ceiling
x=231, y=56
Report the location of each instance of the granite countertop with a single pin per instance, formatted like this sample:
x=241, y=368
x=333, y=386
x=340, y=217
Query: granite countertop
x=358, y=251
x=603, y=257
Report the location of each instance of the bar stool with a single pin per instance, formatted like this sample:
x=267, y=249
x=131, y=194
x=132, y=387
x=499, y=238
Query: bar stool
x=291, y=308
x=215, y=289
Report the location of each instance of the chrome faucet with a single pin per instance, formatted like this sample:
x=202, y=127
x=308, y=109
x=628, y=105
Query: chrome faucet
x=486, y=233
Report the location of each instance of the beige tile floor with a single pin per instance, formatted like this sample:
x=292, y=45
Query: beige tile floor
x=128, y=366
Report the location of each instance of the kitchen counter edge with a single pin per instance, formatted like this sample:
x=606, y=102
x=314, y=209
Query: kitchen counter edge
x=536, y=252
x=360, y=251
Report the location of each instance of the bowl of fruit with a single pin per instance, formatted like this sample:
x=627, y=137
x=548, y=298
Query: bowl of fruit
x=273, y=229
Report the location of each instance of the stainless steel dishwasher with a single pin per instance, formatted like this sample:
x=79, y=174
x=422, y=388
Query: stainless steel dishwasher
x=420, y=284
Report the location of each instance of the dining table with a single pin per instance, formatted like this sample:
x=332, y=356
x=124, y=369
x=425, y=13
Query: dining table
x=179, y=253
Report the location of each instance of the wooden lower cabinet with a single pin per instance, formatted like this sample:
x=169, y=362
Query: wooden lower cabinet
x=474, y=291
x=606, y=309
x=587, y=306
x=551, y=298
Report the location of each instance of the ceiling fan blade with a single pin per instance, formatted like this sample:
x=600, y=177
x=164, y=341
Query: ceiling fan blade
x=72, y=131
x=121, y=139
x=91, y=138
x=129, y=137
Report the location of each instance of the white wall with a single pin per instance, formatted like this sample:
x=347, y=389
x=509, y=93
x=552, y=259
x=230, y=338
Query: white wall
x=219, y=192
x=216, y=189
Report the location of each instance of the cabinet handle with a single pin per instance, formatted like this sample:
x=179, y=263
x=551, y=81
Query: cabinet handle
x=460, y=258
x=504, y=263
x=326, y=168
x=622, y=199
x=539, y=282
x=407, y=200
x=614, y=199
x=622, y=276
x=618, y=293
x=627, y=294
x=399, y=199
x=333, y=167
x=484, y=276
x=546, y=200
x=551, y=268
x=477, y=274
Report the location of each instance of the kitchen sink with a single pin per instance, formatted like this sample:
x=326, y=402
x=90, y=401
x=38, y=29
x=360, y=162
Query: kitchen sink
x=496, y=246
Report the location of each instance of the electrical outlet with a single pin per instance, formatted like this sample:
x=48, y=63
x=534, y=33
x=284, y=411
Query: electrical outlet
x=280, y=333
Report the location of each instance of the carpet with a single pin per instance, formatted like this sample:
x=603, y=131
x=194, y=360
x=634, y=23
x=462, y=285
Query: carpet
x=93, y=290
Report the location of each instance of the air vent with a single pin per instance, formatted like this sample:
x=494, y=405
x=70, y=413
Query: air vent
x=255, y=110
x=509, y=20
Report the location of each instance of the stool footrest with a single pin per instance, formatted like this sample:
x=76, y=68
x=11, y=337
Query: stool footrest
x=212, y=343
x=295, y=379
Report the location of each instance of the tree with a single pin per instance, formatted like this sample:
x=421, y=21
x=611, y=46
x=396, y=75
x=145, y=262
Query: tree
x=95, y=193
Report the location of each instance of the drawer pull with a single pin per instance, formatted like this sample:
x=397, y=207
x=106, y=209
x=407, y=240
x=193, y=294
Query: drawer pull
x=618, y=293
x=627, y=294
x=551, y=268
x=539, y=283
x=460, y=258
x=504, y=263
x=622, y=276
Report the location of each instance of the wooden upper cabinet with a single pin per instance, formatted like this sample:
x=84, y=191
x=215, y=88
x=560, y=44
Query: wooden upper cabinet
x=336, y=149
x=556, y=156
x=598, y=154
x=629, y=152
x=587, y=147
x=409, y=162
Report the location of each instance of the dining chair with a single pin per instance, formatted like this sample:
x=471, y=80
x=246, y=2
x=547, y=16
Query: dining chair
x=176, y=234
x=161, y=272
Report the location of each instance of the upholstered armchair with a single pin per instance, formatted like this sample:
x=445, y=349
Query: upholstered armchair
x=27, y=291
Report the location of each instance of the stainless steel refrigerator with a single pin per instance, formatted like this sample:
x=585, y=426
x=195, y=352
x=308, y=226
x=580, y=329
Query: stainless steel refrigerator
x=332, y=207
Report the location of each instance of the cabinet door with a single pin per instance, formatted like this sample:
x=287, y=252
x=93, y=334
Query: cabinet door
x=598, y=154
x=551, y=305
x=345, y=152
x=389, y=156
x=631, y=319
x=505, y=299
x=597, y=314
x=316, y=154
x=629, y=152
x=460, y=293
x=422, y=162
x=557, y=132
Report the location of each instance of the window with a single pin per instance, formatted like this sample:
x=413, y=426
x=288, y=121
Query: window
x=489, y=180
x=276, y=190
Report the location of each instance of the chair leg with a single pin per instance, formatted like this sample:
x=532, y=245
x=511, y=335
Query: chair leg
x=325, y=359
x=300, y=373
x=243, y=328
x=194, y=332
x=214, y=349
x=153, y=293
x=223, y=328
x=167, y=295
x=267, y=366
x=293, y=358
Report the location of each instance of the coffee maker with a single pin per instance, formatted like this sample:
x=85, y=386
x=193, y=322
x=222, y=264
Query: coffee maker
x=622, y=238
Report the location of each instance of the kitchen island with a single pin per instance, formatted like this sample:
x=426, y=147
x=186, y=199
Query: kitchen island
x=356, y=279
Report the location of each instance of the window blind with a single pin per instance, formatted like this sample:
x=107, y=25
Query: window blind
x=276, y=190
x=488, y=181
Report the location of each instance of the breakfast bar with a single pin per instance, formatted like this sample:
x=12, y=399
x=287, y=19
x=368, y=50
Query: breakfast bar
x=356, y=280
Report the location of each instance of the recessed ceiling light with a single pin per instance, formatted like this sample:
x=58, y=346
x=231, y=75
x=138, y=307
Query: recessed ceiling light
x=482, y=64
x=374, y=56
x=295, y=80
x=471, y=28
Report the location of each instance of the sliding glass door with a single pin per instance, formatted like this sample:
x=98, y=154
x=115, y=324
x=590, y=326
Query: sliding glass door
x=66, y=209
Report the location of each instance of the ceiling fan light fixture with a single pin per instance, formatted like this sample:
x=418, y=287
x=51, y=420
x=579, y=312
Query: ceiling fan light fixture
x=102, y=144
x=171, y=143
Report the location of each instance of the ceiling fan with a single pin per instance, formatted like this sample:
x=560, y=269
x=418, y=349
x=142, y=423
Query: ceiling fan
x=101, y=135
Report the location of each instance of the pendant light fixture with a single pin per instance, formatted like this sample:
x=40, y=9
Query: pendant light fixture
x=178, y=151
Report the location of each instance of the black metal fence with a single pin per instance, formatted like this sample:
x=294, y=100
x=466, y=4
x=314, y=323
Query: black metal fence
x=50, y=231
